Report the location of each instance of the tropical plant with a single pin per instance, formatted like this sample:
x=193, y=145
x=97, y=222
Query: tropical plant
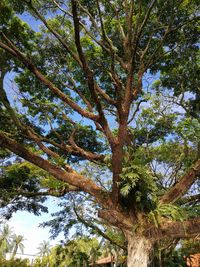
x=17, y=243
x=14, y=262
x=44, y=248
x=78, y=252
x=5, y=239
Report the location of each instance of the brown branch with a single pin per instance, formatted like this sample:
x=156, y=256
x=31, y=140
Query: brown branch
x=73, y=178
x=89, y=75
x=132, y=45
x=189, y=200
x=87, y=154
x=28, y=130
x=39, y=139
x=129, y=36
x=89, y=15
x=121, y=30
x=185, y=229
x=150, y=37
x=49, y=192
x=183, y=185
x=116, y=218
x=84, y=27
x=86, y=11
x=84, y=99
x=75, y=150
x=75, y=89
x=136, y=110
x=73, y=147
x=89, y=224
x=155, y=57
x=6, y=103
x=148, y=12
x=105, y=95
x=104, y=34
x=28, y=63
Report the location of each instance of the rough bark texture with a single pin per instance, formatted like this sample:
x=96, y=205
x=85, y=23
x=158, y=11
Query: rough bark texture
x=139, y=249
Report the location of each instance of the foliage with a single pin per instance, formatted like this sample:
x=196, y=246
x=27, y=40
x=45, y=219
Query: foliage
x=5, y=240
x=109, y=87
x=44, y=248
x=77, y=252
x=14, y=262
x=10, y=243
x=19, y=178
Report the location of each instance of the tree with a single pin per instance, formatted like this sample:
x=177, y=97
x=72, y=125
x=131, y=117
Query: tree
x=44, y=248
x=15, y=262
x=17, y=244
x=5, y=240
x=76, y=252
x=86, y=84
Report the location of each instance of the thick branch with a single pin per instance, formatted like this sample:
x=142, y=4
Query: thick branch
x=72, y=178
x=186, y=229
x=182, y=186
x=87, y=154
x=116, y=218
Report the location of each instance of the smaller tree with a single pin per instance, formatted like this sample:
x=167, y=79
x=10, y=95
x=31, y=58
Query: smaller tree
x=44, y=248
x=5, y=240
x=17, y=243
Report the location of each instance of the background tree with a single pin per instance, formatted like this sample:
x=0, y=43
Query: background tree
x=17, y=243
x=9, y=245
x=76, y=252
x=44, y=248
x=82, y=80
x=15, y=262
x=5, y=240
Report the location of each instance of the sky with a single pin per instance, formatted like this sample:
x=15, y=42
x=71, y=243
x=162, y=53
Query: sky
x=27, y=224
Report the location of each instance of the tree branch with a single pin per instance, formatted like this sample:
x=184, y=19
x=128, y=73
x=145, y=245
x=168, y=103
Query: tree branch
x=28, y=63
x=72, y=178
x=62, y=41
x=182, y=186
x=189, y=200
x=116, y=218
x=186, y=229
x=49, y=192
x=89, y=75
x=97, y=230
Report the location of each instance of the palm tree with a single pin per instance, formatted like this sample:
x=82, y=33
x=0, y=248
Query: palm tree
x=5, y=240
x=44, y=248
x=17, y=244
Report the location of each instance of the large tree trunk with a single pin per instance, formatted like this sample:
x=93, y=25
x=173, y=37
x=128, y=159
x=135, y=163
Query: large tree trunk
x=139, y=249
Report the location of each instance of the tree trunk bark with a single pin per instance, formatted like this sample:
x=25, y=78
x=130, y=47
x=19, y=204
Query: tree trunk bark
x=139, y=249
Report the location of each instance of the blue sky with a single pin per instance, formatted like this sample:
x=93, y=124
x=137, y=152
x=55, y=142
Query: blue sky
x=26, y=224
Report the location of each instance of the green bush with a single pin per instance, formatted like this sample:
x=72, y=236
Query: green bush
x=14, y=263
